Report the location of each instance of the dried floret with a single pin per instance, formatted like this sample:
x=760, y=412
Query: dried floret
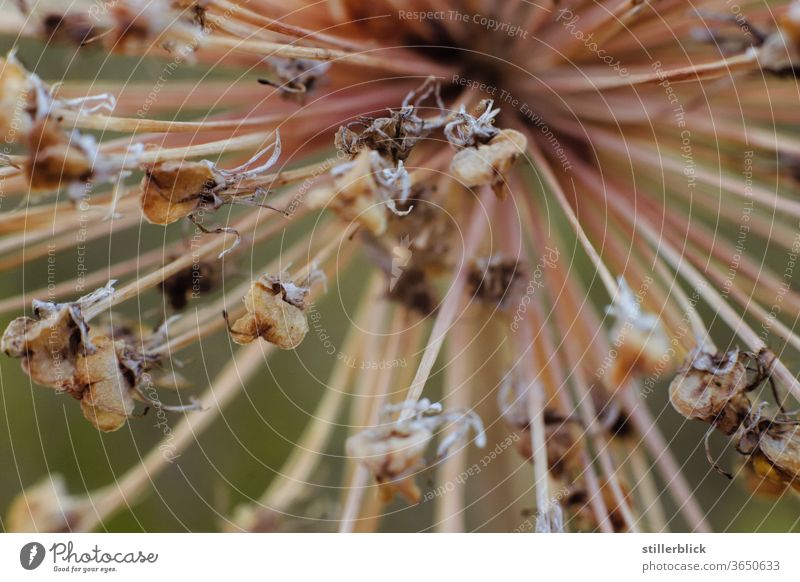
x=712, y=388
x=50, y=342
x=562, y=434
x=394, y=451
x=642, y=347
x=46, y=507
x=295, y=78
x=107, y=398
x=495, y=280
x=487, y=164
x=363, y=190
x=275, y=312
x=394, y=137
x=176, y=189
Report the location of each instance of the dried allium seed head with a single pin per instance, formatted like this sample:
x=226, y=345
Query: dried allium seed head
x=46, y=507
x=107, y=400
x=275, y=311
x=488, y=164
x=642, y=347
x=712, y=388
x=175, y=189
x=57, y=159
x=355, y=196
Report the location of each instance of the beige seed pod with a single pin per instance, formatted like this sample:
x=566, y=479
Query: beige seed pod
x=762, y=478
x=712, y=388
x=107, y=401
x=354, y=196
x=175, y=189
x=275, y=311
x=46, y=507
x=641, y=346
x=57, y=159
x=393, y=456
x=16, y=92
x=48, y=346
x=780, y=445
x=487, y=164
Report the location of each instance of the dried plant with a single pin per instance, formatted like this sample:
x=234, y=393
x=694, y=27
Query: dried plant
x=570, y=206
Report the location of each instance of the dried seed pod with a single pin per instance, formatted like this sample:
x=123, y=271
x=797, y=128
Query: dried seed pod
x=175, y=189
x=355, y=195
x=46, y=507
x=488, y=164
x=57, y=158
x=72, y=28
x=275, y=311
x=17, y=97
x=107, y=400
x=712, y=388
x=578, y=505
x=49, y=342
x=562, y=434
x=199, y=278
x=495, y=280
x=780, y=445
x=394, y=451
x=142, y=23
x=295, y=78
x=641, y=346
x=393, y=137
x=762, y=478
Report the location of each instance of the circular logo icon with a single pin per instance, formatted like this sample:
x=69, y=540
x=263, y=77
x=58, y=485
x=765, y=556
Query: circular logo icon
x=31, y=555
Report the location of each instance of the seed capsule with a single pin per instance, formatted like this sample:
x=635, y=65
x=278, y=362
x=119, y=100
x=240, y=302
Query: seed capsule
x=107, y=400
x=355, y=195
x=16, y=98
x=48, y=345
x=46, y=507
x=712, y=388
x=393, y=455
x=780, y=446
x=56, y=158
x=275, y=311
x=394, y=451
x=488, y=164
x=175, y=189
x=641, y=346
